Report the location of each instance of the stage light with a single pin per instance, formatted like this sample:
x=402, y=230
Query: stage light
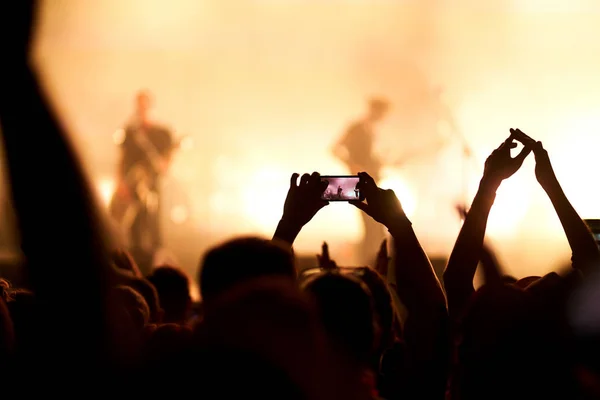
x=106, y=189
x=262, y=197
x=403, y=192
x=512, y=203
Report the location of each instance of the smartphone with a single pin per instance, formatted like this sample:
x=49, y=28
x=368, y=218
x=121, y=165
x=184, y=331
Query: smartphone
x=341, y=188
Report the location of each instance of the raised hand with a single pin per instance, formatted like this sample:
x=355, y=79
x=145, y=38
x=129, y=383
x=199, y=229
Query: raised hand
x=303, y=200
x=325, y=261
x=543, y=167
x=500, y=165
x=381, y=204
x=16, y=26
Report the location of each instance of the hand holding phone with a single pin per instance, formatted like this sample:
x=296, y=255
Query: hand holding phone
x=341, y=188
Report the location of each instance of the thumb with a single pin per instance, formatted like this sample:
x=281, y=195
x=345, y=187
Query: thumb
x=523, y=154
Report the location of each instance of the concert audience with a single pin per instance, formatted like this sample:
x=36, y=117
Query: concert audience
x=88, y=319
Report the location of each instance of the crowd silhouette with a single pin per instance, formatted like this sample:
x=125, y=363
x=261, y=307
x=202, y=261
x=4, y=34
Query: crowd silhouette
x=88, y=322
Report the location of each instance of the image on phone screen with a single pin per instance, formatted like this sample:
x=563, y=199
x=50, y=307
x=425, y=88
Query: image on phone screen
x=341, y=188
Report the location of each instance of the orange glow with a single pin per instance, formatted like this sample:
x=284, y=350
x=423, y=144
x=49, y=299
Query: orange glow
x=106, y=188
x=403, y=192
x=511, y=205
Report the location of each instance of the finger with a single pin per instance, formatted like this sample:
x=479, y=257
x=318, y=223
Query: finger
x=368, y=179
x=508, y=142
x=294, y=180
x=538, y=145
x=502, y=146
x=322, y=185
x=383, y=248
x=325, y=250
x=523, y=138
x=366, y=184
x=523, y=154
x=304, y=179
x=315, y=177
x=523, y=135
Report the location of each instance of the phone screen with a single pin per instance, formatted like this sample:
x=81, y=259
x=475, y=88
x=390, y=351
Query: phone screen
x=341, y=188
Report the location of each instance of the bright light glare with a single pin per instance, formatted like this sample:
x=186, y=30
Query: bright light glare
x=511, y=205
x=106, y=188
x=571, y=162
x=262, y=197
x=403, y=192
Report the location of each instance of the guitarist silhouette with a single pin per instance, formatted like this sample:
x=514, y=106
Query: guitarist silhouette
x=146, y=151
x=356, y=149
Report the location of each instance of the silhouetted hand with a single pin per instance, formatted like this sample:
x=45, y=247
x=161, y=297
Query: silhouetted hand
x=16, y=26
x=500, y=165
x=383, y=259
x=303, y=200
x=381, y=204
x=544, y=172
x=325, y=261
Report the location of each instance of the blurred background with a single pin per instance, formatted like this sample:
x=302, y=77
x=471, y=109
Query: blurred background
x=264, y=88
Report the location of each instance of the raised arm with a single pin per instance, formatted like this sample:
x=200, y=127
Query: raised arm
x=426, y=327
x=463, y=261
x=585, y=253
x=415, y=279
x=492, y=270
x=51, y=194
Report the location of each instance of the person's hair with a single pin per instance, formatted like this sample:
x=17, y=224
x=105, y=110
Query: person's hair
x=173, y=288
x=240, y=260
x=346, y=309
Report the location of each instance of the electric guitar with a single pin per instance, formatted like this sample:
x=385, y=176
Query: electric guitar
x=139, y=179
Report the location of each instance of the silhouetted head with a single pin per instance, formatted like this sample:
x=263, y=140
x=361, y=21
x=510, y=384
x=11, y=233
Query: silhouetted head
x=267, y=335
x=507, y=348
x=378, y=107
x=346, y=310
x=241, y=260
x=173, y=288
x=382, y=299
